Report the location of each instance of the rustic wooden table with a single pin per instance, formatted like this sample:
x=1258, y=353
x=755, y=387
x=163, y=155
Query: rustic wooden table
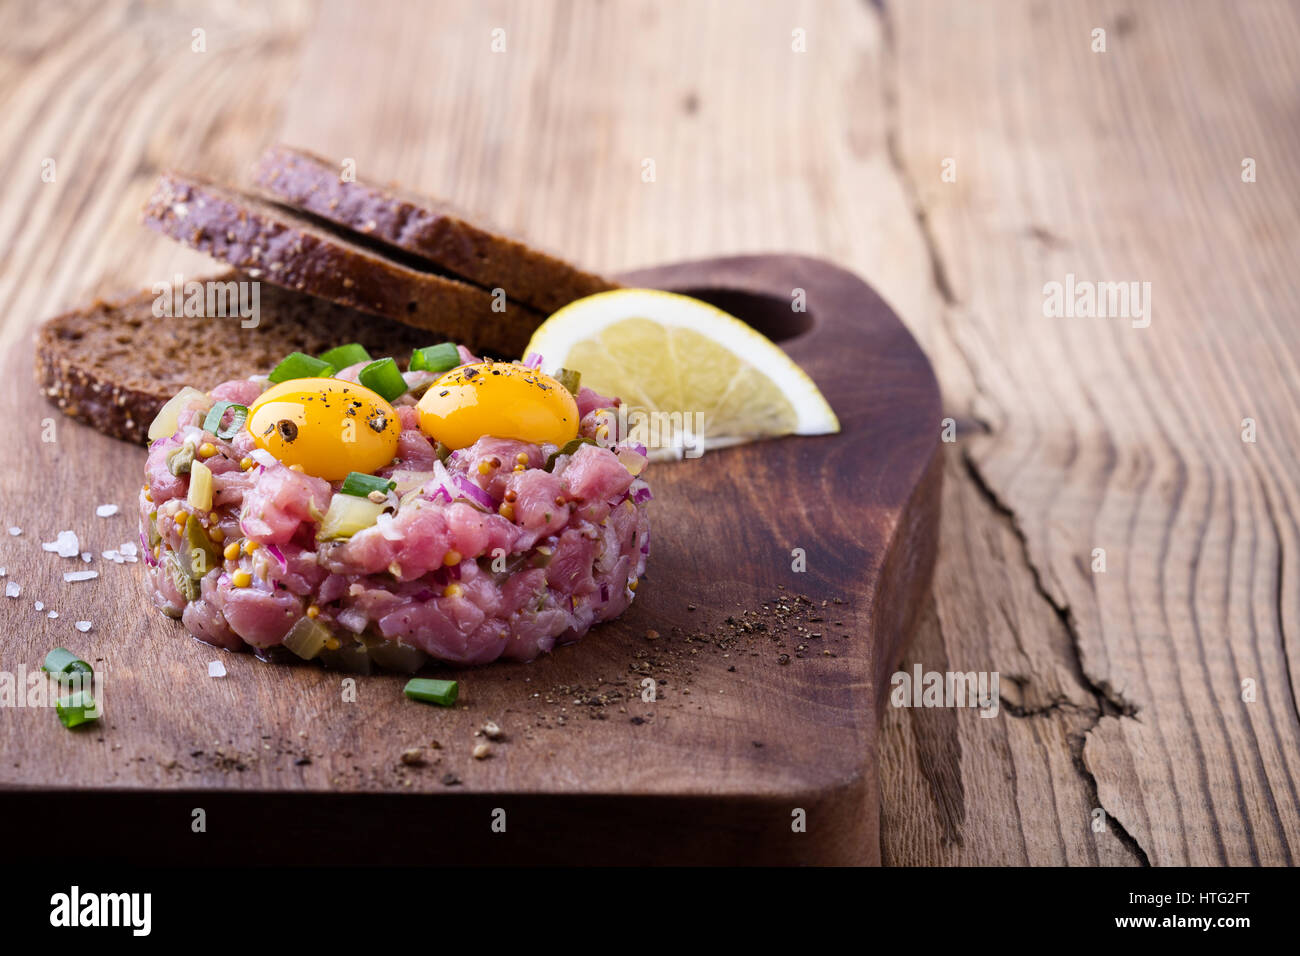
x=960, y=156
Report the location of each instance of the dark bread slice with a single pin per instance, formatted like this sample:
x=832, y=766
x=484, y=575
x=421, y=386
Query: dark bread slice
x=424, y=227
x=114, y=365
x=278, y=245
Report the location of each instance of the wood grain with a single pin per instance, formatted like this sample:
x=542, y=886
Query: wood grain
x=769, y=675
x=1073, y=434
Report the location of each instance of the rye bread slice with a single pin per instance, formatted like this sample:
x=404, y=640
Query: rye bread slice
x=425, y=227
x=278, y=245
x=112, y=365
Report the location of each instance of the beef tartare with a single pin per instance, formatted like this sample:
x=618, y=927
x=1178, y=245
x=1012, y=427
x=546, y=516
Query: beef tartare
x=346, y=511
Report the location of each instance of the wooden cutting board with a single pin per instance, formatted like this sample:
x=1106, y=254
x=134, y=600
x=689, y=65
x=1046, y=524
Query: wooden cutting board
x=784, y=580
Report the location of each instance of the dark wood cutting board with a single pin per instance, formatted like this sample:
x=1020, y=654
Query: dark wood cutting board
x=769, y=680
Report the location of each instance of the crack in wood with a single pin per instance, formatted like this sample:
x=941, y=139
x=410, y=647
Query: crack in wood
x=1109, y=701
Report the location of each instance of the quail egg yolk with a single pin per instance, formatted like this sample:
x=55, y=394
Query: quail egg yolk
x=326, y=426
x=500, y=399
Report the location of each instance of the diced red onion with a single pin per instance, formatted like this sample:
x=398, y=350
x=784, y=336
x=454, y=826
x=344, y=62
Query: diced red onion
x=472, y=491
x=533, y=360
x=640, y=492
x=280, y=559
x=604, y=592
x=262, y=457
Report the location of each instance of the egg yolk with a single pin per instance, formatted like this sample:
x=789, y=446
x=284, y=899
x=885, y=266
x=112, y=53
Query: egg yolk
x=499, y=399
x=327, y=426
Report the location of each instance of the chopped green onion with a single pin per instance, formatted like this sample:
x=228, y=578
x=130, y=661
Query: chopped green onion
x=213, y=422
x=360, y=484
x=72, y=709
x=442, y=692
x=301, y=365
x=63, y=661
x=346, y=355
x=435, y=358
x=570, y=379
x=382, y=376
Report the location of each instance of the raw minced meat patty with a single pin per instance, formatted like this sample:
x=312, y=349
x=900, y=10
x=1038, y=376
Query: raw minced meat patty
x=536, y=557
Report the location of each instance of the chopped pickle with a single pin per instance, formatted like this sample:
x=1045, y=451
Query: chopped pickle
x=351, y=657
x=346, y=516
x=179, y=461
x=164, y=424
x=307, y=637
x=200, y=493
x=188, y=587
x=394, y=655
x=201, y=554
x=570, y=379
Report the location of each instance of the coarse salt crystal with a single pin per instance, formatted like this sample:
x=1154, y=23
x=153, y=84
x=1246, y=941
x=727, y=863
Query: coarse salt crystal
x=106, y=511
x=129, y=549
x=110, y=556
x=86, y=556
x=52, y=615
x=40, y=605
x=15, y=531
x=65, y=545
x=12, y=589
x=216, y=669
x=79, y=575
x=82, y=626
x=3, y=572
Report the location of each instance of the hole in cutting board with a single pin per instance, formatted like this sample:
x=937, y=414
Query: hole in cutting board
x=769, y=314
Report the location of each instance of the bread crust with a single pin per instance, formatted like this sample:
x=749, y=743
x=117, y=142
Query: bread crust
x=424, y=227
x=113, y=365
x=282, y=247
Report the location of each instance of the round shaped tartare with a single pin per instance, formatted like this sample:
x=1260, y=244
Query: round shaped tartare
x=480, y=547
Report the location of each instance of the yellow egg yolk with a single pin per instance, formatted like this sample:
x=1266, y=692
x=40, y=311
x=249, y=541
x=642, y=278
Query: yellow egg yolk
x=326, y=426
x=499, y=399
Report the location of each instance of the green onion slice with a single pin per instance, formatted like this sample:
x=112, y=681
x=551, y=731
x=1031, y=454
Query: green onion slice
x=435, y=358
x=360, y=484
x=213, y=422
x=570, y=379
x=431, y=691
x=346, y=355
x=72, y=709
x=383, y=377
x=63, y=661
x=301, y=365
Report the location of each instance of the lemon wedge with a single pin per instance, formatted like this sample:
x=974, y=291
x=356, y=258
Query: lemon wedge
x=691, y=376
